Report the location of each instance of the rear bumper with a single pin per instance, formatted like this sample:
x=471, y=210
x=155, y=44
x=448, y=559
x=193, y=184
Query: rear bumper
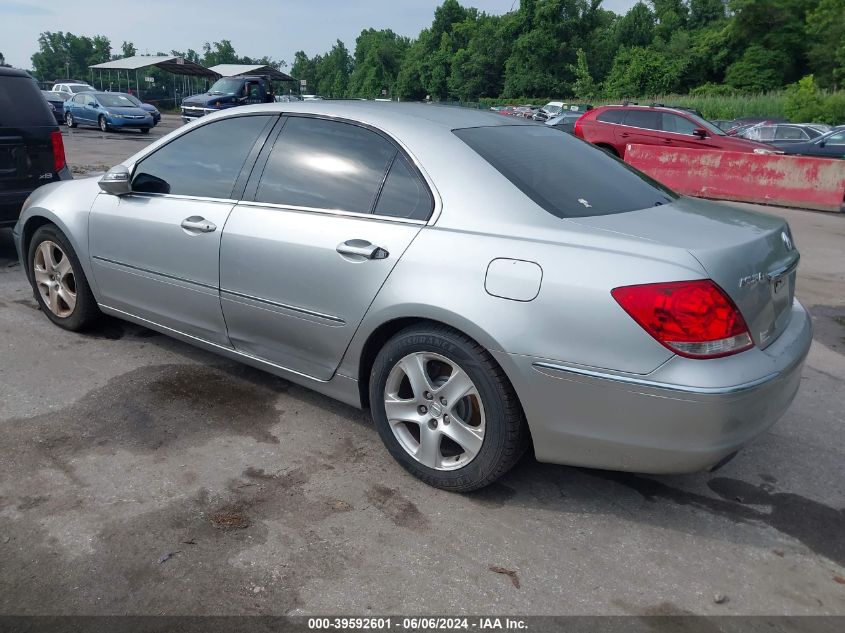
x=705, y=413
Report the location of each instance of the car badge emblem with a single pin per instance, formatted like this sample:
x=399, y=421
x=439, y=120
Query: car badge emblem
x=585, y=203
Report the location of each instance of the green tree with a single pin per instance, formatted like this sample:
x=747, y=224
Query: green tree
x=65, y=55
x=127, y=49
x=703, y=13
x=378, y=59
x=477, y=70
x=826, y=36
x=305, y=68
x=804, y=101
x=636, y=28
x=758, y=70
x=332, y=71
x=584, y=86
x=641, y=72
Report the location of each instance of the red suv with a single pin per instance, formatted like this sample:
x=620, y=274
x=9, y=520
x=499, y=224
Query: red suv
x=614, y=127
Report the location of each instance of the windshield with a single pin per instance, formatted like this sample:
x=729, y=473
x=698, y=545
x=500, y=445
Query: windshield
x=226, y=86
x=564, y=175
x=74, y=88
x=115, y=100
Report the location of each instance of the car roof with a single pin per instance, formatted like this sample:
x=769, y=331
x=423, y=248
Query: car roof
x=643, y=107
x=14, y=72
x=392, y=116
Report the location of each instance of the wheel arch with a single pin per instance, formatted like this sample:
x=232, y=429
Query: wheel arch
x=379, y=336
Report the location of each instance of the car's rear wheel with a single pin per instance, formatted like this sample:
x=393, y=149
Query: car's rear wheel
x=58, y=281
x=104, y=125
x=69, y=120
x=445, y=409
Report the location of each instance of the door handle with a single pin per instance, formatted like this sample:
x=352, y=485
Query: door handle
x=361, y=249
x=197, y=224
x=625, y=135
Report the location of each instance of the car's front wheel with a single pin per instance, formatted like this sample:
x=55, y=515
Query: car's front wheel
x=69, y=120
x=58, y=281
x=445, y=409
x=145, y=130
x=104, y=125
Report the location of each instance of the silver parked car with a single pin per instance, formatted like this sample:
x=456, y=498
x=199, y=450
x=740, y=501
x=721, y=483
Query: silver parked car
x=480, y=282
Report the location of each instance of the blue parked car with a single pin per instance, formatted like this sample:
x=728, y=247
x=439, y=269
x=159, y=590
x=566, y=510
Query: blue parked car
x=106, y=110
x=147, y=107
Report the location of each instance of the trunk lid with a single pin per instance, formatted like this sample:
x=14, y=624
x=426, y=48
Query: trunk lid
x=751, y=256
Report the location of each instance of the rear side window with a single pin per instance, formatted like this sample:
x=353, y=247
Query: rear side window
x=21, y=104
x=645, y=119
x=567, y=177
x=611, y=116
x=205, y=162
x=404, y=195
x=325, y=165
x=787, y=133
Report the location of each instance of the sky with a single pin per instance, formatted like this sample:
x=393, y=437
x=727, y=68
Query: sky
x=255, y=27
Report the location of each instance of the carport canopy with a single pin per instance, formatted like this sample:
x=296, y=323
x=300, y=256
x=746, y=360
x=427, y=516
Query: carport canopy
x=174, y=65
x=230, y=70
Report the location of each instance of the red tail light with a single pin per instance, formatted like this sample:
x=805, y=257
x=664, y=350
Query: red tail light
x=58, y=151
x=695, y=319
x=576, y=129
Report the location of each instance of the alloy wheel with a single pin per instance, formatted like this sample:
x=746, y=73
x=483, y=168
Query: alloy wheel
x=55, y=278
x=435, y=411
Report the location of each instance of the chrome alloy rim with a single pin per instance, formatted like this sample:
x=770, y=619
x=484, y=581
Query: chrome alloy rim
x=55, y=278
x=434, y=411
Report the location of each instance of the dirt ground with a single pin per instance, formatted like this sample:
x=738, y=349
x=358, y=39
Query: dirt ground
x=139, y=475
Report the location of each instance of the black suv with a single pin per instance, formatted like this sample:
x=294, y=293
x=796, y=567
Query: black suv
x=31, y=149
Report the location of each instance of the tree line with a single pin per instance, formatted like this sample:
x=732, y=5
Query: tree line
x=576, y=48
x=548, y=48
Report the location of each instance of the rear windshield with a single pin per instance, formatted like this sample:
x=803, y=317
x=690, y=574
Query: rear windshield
x=566, y=176
x=21, y=104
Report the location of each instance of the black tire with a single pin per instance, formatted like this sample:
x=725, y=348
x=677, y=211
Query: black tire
x=506, y=433
x=69, y=120
x=104, y=126
x=145, y=130
x=85, y=313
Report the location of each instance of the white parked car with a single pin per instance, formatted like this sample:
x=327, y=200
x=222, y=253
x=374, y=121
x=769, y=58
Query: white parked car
x=72, y=88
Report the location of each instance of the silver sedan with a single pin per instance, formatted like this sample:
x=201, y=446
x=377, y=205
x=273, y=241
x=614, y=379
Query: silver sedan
x=481, y=283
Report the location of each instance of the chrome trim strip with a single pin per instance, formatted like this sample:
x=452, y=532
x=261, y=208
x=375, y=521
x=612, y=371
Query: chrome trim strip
x=339, y=212
x=640, y=382
x=174, y=196
x=154, y=272
x=784, y=270
x=285, y=306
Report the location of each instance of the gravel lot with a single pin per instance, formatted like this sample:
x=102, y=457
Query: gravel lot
x=142, y=476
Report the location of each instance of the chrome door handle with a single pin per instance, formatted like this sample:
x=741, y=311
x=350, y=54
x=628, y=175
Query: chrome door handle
x=361, y=249
x=197, y=224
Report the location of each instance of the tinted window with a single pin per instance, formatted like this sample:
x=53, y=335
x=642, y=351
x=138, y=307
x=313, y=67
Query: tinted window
x=611, y=116
x=204, y=162
x=325, y=165
x=788, y=133
x=646, y=119
x=677, y=124
x=21, y=104
x=404, y=195
x=564, y=175
x=836, y=139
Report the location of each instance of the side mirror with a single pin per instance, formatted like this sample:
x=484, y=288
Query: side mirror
x=116, y=181
x=822, y=143
x=700, y=132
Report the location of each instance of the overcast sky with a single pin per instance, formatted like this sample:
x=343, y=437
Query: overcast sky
x=255, y=27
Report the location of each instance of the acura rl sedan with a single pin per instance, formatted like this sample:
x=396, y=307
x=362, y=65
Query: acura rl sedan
x=481, y=283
